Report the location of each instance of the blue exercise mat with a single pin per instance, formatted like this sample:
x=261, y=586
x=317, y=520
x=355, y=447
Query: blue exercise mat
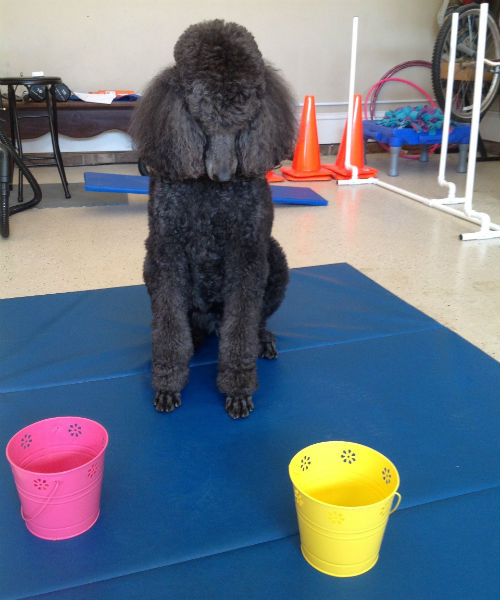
x=323, y=306
x=427, y=567
x=196, y=505
x=136, y=184
x=116, y=183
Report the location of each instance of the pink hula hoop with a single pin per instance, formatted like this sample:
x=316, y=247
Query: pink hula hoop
x=417, y=87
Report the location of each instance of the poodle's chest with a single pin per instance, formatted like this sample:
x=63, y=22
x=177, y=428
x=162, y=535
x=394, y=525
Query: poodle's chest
x=206, y=216
x=203, y=235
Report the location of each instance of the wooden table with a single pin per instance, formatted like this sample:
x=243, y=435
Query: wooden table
x=75, y=119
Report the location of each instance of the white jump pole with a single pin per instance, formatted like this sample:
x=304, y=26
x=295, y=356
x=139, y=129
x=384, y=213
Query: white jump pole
x=474, y=134
x=488, y=229
x=452, y=188
x=354, y=180
x=350, y=108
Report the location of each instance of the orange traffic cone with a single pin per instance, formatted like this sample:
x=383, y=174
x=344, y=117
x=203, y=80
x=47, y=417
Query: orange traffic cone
x=339, y=169
x=273, y=177
x=306, y=164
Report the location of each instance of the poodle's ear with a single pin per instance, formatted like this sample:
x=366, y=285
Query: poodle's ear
x=166, y=137
x=269, y=138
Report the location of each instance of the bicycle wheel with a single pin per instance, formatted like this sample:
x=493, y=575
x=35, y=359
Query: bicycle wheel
x=463, y=86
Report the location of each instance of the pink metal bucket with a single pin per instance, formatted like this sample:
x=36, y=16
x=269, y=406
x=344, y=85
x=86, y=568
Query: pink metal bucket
x=58, y=466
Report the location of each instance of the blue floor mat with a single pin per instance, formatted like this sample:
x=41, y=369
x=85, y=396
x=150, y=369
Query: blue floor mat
x=137, y=184
x=197, y=505
x=435, y=563
x=106, y=333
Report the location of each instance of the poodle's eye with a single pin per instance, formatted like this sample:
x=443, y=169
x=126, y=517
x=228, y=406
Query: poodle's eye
x=199, y=127
x=240, y=96
x=245, y=97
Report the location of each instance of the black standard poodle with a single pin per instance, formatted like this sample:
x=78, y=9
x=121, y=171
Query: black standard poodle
x=208, y=129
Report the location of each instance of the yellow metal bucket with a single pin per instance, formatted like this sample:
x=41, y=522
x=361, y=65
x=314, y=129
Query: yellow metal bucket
x=344, y=494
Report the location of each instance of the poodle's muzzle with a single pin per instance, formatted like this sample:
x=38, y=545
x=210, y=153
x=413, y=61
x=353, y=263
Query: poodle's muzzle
x=221, y=160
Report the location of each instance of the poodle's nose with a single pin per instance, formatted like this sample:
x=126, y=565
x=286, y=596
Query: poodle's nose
x=221, y=176
x=220, y=157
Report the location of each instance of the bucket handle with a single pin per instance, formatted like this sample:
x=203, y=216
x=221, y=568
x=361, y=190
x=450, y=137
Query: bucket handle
x=44, y=505
x=397, y=503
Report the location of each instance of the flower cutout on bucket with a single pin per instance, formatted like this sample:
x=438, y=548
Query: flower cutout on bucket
x=26, y=441
x=92, y=471
x=75, y=430
x=298, y=498
x=348, y=456
x=386, y=475
x=385, y=509
x=336, y=518
x=40, y=484
x=305, y=463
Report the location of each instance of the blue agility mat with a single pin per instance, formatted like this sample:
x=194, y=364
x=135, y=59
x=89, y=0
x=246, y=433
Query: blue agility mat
x=137, y=184
x=196, y=505
x=323, y=307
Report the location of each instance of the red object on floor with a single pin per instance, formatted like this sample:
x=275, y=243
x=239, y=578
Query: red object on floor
x=339, y=169
x=306, y=164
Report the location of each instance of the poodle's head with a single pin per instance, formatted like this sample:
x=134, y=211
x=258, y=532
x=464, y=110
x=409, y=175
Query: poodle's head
x=220, y=111
x=221, y=73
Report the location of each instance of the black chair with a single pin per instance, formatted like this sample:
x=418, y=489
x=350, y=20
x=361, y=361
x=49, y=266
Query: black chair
x=8, y=156
x=48, y=96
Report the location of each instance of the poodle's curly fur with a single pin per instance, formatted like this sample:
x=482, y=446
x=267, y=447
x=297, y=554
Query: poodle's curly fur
x=208, y=129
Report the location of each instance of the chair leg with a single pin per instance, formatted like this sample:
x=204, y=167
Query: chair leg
x=4, y=189
x=54, y=134
x=16, y=141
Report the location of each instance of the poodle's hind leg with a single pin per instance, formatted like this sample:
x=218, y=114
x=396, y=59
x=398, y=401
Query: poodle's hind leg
x=199, y=336
x=267, y=344
x=273, y=296
x=205, y=324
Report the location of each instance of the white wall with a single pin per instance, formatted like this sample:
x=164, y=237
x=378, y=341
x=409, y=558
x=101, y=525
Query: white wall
x=122, y=44
x=96, y=44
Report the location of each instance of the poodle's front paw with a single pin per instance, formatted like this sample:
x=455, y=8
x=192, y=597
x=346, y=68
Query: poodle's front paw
x=239, y=406
x=167, y=401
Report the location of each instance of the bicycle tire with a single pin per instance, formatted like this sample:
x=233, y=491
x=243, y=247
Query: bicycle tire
x=463, y=87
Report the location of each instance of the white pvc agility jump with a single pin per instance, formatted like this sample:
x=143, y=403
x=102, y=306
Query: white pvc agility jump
x=488, y=229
